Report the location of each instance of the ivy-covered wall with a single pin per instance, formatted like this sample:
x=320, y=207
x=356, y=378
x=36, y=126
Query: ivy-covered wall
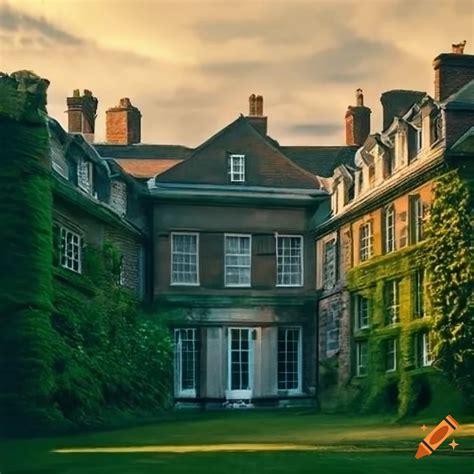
x=446, y=258
x=75, y=349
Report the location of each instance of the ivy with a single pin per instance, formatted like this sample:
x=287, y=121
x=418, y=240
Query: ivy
x=449, y=262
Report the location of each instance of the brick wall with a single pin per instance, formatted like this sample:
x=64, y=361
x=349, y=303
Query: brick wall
x=118, y=196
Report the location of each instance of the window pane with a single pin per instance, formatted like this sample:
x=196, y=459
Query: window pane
x=237, y=260
x=184, y=264
x=289, y=261
x=288, y=358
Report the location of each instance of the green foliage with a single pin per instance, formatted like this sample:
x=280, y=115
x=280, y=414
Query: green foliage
x=111, y=357
x=26, y=335
x=450, y=264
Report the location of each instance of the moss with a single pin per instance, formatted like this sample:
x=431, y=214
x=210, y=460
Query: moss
x=26, y=335
x=447, y=257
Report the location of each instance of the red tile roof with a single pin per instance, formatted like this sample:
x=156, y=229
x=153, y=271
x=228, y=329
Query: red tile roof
x=143, y=168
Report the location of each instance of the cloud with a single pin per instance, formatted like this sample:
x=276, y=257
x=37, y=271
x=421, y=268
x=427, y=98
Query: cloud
x=314, y=128
x=14, y=21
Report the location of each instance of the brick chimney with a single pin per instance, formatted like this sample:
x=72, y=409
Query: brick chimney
x=357, y=121
x=255, y=116
x=452, y=71
x=395, y=103
x=123, y=124
x=81, y=111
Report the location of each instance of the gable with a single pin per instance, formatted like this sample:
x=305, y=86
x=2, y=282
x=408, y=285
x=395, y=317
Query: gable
x=265, y=165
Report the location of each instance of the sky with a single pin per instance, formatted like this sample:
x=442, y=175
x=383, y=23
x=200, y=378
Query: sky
x=190, y=65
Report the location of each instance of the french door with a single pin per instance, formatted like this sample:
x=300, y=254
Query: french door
x=240, y=363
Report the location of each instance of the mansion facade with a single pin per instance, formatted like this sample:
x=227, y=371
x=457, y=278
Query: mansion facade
x=275, y=261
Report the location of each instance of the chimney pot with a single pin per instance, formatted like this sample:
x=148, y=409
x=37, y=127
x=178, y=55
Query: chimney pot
x=459, y=47
x=357, y=121
x=255, y=117
x=81, y=112
x=259, y=106
x=252, y=105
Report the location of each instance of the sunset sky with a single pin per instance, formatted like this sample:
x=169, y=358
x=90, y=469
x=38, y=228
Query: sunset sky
x=189, y=66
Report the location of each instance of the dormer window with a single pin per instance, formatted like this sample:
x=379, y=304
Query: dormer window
x=237, y=168
x=418, y=140
x=84, y=175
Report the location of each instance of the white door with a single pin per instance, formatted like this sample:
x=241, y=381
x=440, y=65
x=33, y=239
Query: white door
x=240, y=363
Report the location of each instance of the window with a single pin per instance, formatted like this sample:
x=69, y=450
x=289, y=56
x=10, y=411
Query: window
x=332, y=331
x=185, y=362
x=418, y=140
x=422, y=349
x=70, y=250
x=289, y=359
x=437, y=129
x=366, y=241
x=84, y=175
x=289, y=260
x=392, y=302
x=237, y=168
x=390, y=354
x=329, y=264
x=360, y=178
x=237, y=260
x=418, y=293
x=416, y=219
x=184, y=259
x=362, y=357
x=389, y=229
x=361, y=312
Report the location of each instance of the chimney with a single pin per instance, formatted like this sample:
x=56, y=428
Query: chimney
x=357, y=121
x=123, y=124
x=452, y=71
x=81, y=112
x=255, y=116
x=395, y=103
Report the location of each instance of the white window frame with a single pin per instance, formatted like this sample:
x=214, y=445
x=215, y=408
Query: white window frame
x=418, y=289
x=415, y=218
x=366, y=242
x=359, y=366
x=427, y=349
x=238, y=285
x=299, y=361
x=89, y=167
x=392, y=308
x=66, y=261
x=278, y=265
x=358, y=309
x=393, y=352
x=177, y=283
x=237, y=176
x=241, y=393
x=389, y=221
x=419, y=139
x=179, y=391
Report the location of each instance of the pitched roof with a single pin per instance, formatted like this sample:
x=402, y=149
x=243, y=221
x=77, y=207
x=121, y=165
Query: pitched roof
x=464, y=96
x=266, y=164
x=144, y=168
x=464, y=144
x=142, y=151
x=320, y=160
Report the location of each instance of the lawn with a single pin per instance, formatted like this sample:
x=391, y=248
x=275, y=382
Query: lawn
x=260, y=442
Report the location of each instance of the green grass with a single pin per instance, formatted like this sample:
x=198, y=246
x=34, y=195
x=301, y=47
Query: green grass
x=394, y=446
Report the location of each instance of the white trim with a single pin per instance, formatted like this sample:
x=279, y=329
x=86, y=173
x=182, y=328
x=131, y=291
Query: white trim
x=357, y=305
x=172, y=234
x=299, y=389
x=358, y=353
x=395, y=350
x=242, y=166
x=89, y=187
x=239, y=394
x=277, y=236
x=178, y=357
x=245, y=285
x=63, y=249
